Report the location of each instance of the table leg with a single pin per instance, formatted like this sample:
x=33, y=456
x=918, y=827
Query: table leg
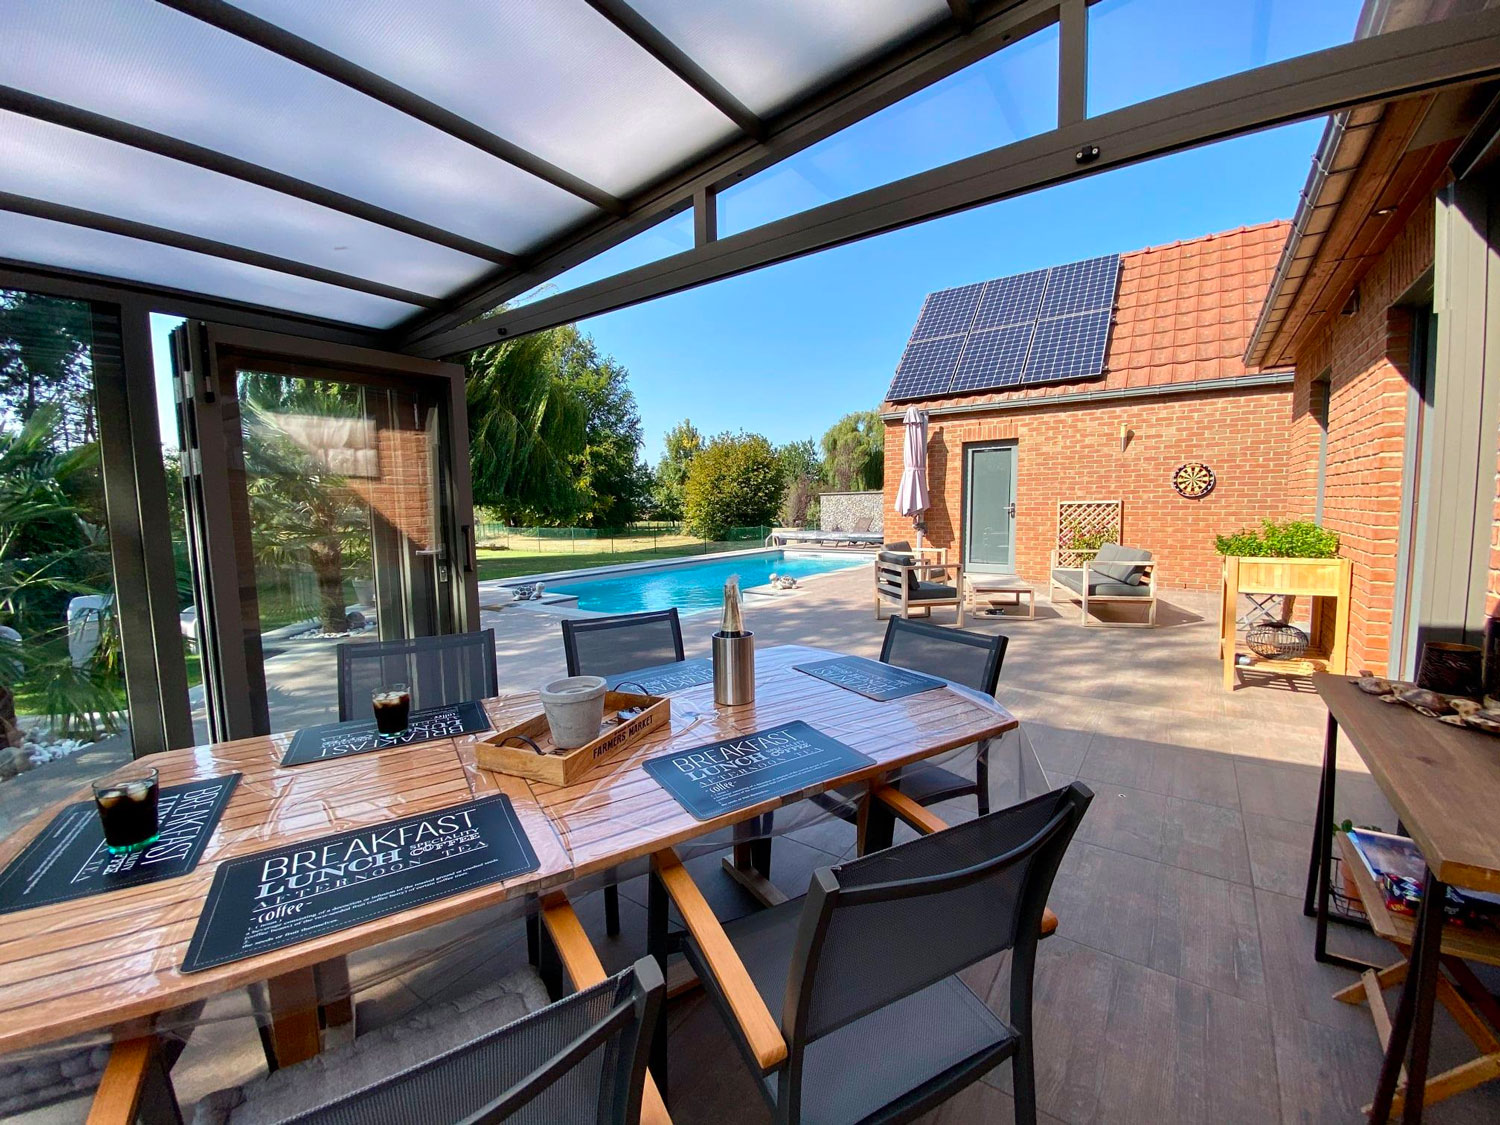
x=751, y=864
x=656, y=946
x=1413, y=1023
x=1320, y=862
x=294, y=1016
x=335, y=1000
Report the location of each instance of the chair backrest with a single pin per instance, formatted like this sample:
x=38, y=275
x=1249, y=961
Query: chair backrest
x=439, y=670
x=887, y=925
x=1129, y=565
x=580, y=1059
x=965, y=657
x=602, y=646
x=891, y=577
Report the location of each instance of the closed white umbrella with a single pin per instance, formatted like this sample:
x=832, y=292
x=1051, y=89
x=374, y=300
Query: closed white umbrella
x=911, y=493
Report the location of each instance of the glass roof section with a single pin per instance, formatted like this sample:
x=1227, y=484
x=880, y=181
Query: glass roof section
x=374, y=159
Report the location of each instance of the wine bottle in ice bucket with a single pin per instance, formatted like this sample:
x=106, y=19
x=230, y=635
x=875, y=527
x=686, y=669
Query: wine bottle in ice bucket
x=734, y=652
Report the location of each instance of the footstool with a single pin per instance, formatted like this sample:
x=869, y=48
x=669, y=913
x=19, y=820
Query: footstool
x=997, y=590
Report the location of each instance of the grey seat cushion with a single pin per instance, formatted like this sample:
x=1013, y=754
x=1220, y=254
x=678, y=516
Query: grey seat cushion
x=932, y=591
x=430, y=1032
x=41, y=1078
x=1073, y=580
x=1121, y=564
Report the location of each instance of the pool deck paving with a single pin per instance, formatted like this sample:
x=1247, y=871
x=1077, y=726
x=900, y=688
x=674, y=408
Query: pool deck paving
x=1180, y=986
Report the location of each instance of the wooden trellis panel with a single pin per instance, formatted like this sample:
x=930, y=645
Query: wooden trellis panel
x=1083, y=518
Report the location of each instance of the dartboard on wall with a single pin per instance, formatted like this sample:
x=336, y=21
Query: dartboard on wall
x=1194, y=480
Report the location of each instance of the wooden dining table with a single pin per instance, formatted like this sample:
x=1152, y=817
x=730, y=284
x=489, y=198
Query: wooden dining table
x=112, y=961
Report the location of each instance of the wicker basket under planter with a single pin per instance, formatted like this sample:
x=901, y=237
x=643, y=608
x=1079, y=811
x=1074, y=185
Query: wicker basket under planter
x=1274, y=640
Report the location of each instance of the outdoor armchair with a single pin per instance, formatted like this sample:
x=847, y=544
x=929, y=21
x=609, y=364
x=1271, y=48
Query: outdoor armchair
x=1115, y=574
x=603, y=646
x=848, y=1002
x=581, y=1058
x=441, y=670
x=904, y=581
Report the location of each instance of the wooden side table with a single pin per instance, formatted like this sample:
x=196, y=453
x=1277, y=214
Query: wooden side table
x=991, y=589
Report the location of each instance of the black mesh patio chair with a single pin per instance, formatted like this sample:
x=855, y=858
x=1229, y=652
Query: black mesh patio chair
x=603, y=646
x=440, y=671
x=582, y=1058
x=875, y=1023
x=970, y=659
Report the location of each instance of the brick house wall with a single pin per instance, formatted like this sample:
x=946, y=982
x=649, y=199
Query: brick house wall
x=1367, y=360
x=1073, y=453
x=401, y=492
x=1183, y=315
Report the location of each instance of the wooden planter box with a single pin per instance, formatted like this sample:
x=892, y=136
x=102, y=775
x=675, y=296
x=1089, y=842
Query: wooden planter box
x=1320, y=580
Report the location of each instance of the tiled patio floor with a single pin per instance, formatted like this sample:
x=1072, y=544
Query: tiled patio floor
x=1180, y=985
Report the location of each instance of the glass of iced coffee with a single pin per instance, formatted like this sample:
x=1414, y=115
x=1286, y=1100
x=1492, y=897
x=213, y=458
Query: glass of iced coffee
x=127, y=810
x=392, y=705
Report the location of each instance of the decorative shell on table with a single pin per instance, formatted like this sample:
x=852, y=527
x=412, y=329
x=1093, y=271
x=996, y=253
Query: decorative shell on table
x=1455, y=710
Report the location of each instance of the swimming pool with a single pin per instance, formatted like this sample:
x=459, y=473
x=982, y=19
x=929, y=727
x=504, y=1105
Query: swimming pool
x=692, y=586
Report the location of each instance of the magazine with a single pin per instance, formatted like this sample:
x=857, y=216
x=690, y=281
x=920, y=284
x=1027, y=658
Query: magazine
x=1397, y=868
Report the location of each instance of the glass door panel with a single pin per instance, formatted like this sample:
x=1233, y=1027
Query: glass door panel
x=329, y=515
x=990, y=508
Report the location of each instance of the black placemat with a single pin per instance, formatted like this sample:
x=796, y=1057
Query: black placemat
x=69, y=860
x=662, y=679
x=871, y=678
x=712, y=780
x=339, y=740
x=280, y=897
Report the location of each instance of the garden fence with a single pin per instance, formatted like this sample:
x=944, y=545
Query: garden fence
x=664, y=538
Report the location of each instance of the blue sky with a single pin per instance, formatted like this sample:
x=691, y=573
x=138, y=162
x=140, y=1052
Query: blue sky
x=786, y=350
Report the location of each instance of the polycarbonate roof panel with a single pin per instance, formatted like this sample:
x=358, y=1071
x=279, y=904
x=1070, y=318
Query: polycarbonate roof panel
x=767, y=52
x=553, y=76
x=60, y=165
x=146, y=64
x=27, y=239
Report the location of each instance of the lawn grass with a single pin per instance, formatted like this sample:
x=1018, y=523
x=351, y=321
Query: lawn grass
x=524, y=558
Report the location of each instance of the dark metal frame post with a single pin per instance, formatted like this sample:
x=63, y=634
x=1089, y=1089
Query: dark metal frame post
x=1320, y=861
x=657, y=946
x=1413, y=1024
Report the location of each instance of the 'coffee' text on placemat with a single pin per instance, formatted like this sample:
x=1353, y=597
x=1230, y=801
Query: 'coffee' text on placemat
x=663, y=679
x=69, y=860
x=709, y=781
x=870, y=678
x=339, y=740
x=277, y=898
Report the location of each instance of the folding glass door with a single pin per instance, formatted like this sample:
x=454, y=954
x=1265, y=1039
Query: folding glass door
x=327, y=499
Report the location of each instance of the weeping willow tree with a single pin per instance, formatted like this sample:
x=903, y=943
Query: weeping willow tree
x=526, y=427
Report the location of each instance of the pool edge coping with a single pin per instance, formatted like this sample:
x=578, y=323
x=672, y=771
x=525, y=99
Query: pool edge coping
x=648, y=564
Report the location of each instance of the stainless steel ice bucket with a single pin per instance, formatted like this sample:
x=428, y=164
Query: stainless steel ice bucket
x=734, y=669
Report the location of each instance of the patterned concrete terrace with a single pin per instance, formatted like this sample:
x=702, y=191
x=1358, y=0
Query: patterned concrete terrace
x=1180, y=985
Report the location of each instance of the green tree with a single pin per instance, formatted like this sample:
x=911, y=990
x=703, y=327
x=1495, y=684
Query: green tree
x=45, y=360
x=737, y=480
x=854, y=452
x=606, y=468
x=802, y=468
x=525, y=428
x=683, y=443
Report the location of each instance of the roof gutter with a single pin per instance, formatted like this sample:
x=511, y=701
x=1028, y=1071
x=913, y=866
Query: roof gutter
x=1105, y=394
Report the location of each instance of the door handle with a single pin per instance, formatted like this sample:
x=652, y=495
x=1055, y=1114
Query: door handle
x=1010, y=510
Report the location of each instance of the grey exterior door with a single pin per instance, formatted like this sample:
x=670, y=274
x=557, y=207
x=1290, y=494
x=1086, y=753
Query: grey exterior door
x=990, y=508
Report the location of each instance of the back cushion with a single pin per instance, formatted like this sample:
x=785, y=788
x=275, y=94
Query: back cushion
x=1120, y=564
x=900, y=547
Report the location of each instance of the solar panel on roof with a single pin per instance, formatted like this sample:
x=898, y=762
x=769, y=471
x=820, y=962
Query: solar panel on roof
x=1037, y=327
x=1081, y=286
x=1010, y=300
x=1068, y=347
x=947, y=312
x=926, y=368
x=994, y=358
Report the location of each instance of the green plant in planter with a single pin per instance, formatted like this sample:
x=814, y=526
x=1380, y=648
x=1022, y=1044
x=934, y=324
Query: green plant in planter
x=1090, y=541
x=1295, y=539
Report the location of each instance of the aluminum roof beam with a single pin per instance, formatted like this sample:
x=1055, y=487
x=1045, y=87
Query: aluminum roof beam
x=279, y=41
x=1458, y=50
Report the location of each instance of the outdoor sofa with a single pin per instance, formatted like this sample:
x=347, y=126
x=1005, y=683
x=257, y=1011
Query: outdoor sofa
x=1115, y=574
x=904, y=581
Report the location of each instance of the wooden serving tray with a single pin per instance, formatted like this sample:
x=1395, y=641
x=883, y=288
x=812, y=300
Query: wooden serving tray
x=504, y=751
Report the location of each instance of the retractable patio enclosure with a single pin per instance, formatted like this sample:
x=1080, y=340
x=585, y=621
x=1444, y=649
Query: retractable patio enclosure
x=367, y=189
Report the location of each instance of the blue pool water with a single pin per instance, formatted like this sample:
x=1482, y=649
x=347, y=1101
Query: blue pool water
x=692, y=585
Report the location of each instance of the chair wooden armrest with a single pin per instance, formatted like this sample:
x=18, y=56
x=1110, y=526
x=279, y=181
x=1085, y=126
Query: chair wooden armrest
x=585, y=970
x=940, y=552
x=926, y=822
x=123, y=1083
x=757, y=1024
